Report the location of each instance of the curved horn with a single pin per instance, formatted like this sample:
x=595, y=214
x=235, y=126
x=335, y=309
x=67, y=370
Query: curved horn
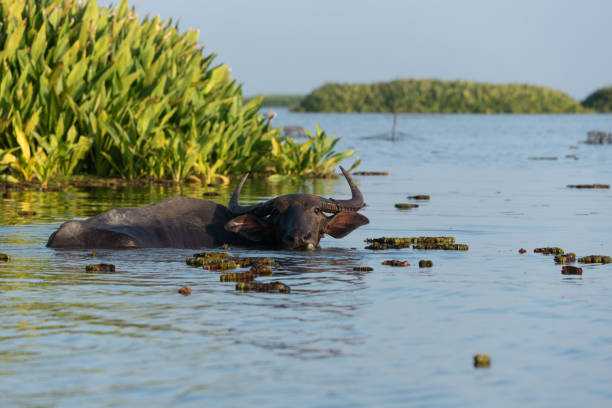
x=237, y=209
x=353, y=205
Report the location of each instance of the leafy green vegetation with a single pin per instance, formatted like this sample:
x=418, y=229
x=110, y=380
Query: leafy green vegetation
x=315, y=157
x=600, y=100
x=90, y=90
x=281, y=101
x=436, y=96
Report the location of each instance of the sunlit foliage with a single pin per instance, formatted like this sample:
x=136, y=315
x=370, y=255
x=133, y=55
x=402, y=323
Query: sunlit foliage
x=85, y=89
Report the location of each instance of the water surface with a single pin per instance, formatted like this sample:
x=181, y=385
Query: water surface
x=390, y=337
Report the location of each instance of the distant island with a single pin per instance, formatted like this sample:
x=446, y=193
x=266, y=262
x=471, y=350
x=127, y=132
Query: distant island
x=600, y=100
x=437, y=96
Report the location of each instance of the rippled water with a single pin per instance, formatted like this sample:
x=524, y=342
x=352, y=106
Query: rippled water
x=390, y=337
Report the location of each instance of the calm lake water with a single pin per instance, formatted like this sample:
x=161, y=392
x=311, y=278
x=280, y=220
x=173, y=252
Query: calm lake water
x=390, y=337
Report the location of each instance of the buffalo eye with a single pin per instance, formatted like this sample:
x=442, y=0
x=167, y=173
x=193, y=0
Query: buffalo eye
x=274, y=212
x=317, y=211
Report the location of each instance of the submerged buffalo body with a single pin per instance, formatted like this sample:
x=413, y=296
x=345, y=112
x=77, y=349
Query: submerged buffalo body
x=289, y=221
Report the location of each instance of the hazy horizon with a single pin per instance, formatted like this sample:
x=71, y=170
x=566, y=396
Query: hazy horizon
x=278, y=47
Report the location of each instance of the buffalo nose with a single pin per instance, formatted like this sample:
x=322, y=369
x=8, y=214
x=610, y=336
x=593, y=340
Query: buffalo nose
x=292, y=241
x=289, y=240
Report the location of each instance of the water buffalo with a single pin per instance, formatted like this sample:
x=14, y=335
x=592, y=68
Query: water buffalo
x=289, y=222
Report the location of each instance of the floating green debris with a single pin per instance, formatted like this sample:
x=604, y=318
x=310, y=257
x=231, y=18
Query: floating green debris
x=380, y=246
x=603, y=259
x=588, y=186
x=398, y=243
x=522, y=251
x=250, y=261
x=445, y=247
x=93, y=253
x=26, y=213
x=220, y=266
x=370, y=173
x=215, y=261
x=247, y=276
x=212, y=255
x=412, y=240
x=203, y=258
x=263, y=287
x=211, y=194
x=425, y=263
x=194, y=261
x=185, y=291
x=418, y=197
x=566, y=258
x=237, y=277
x=571, y=270
x=363, y=269
x=395, y=262
x=225, y=246
x=549, y=250
x=406, y=206
x=100, y=268
x=482, y=361
x=5, y=257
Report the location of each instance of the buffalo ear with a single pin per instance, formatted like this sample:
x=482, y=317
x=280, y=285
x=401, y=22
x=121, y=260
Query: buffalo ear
x=344, y=223
x=248, y=226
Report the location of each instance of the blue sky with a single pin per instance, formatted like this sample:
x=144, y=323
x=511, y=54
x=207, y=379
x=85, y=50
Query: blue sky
x=276, y=46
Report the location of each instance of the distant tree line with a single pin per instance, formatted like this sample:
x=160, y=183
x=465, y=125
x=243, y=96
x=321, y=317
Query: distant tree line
x=281, y=101
x=600, y=100
x=436, y=96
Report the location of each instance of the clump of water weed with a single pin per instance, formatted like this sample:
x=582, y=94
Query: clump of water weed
x=370, y=173
x=26, y=213
x=203, y=258
x=263, y=287
x=418, y=197
x=603, y=259
x=4, y=257
x=482, y=361
x=395, y=262
x=571, y=270
x=185, y=291
x=363, y=269
x=425, y=263
x=542, y=158
x=596, y=186
x=398, y=243
x=445, y=247
x=566, y=258
x=220, y=266
x=406, y=206
x=247, y=276
x=100, y=268
x=549, y=251
x=522, y=251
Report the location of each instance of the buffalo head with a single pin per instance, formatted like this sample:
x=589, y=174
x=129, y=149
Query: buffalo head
x=296, y=220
